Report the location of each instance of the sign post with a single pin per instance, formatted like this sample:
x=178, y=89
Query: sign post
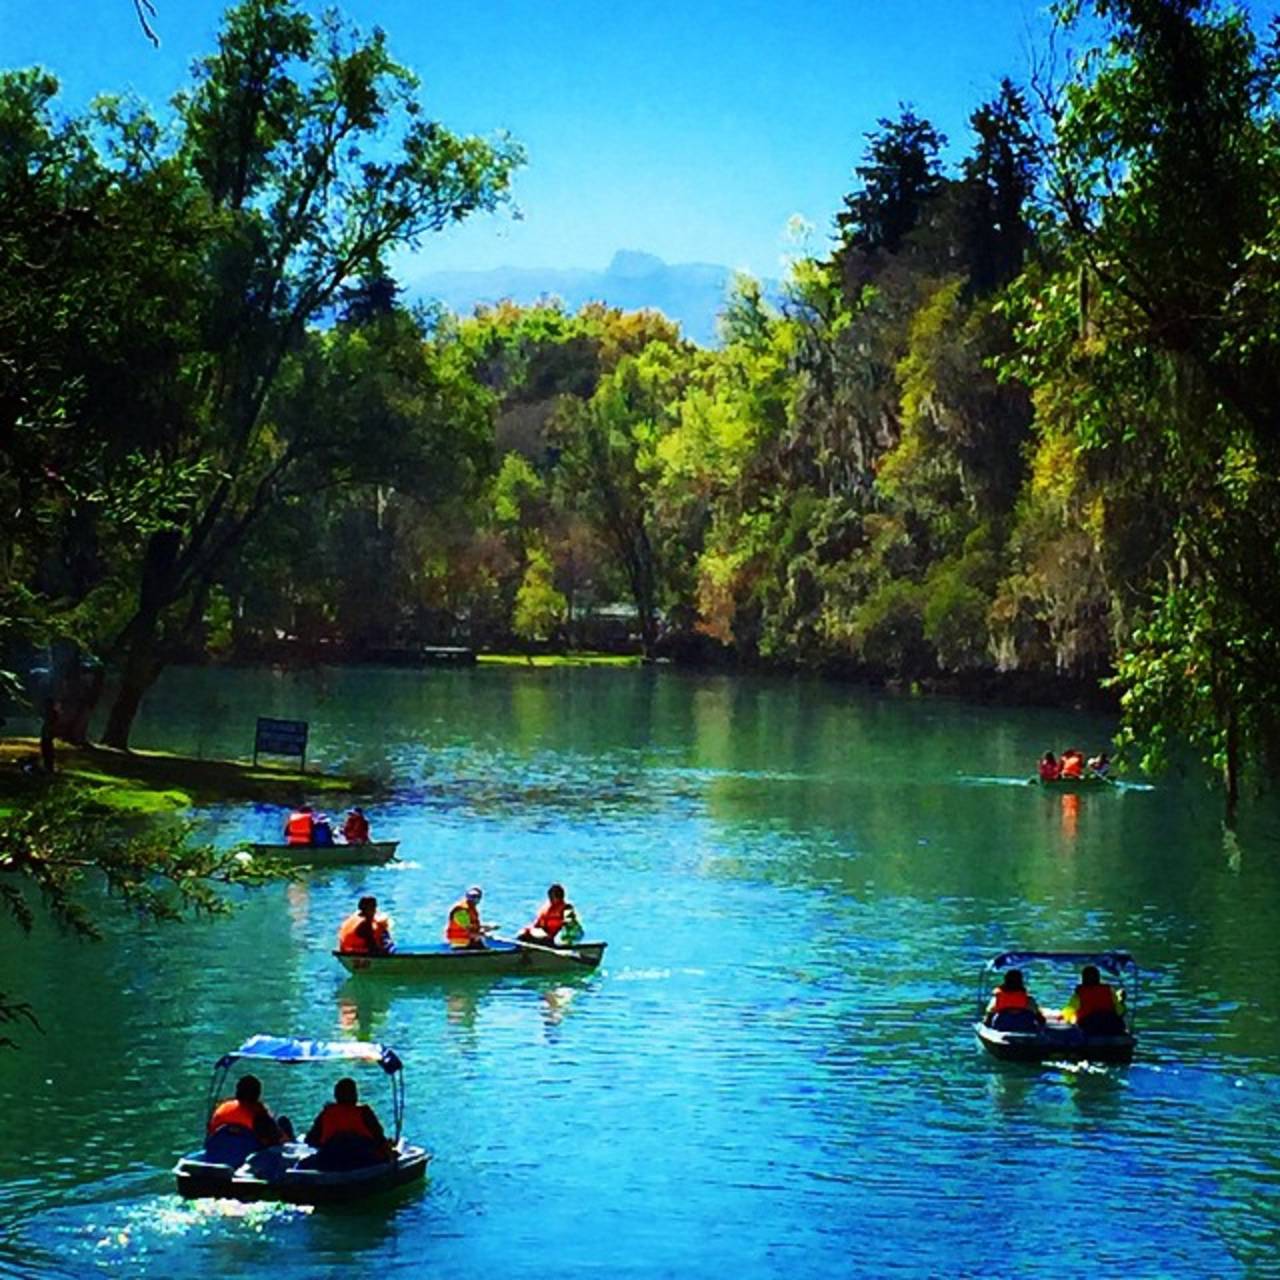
x=281, y=738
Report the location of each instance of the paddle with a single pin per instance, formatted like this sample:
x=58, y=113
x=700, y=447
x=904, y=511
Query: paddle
x=568, y=954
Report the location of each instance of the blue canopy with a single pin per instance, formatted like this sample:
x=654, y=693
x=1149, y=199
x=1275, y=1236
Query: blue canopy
x=1112, y=962
x=287, y=1050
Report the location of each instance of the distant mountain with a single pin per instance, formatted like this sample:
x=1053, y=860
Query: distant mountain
x=692, y=293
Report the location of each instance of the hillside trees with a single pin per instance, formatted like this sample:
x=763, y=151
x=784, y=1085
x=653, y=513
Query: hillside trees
x=277, y=135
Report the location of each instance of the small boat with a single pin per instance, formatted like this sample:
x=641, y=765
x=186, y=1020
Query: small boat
x=336, y=855
x=1016, y=1036
x=1086, y=782
x=495, y=957
x=295, y=1173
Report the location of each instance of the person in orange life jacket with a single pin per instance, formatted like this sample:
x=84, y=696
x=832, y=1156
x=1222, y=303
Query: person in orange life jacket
x=1072, y=765
x=355, y=827
x=1012, y=994
x=345, y=1117
x=299, y=827
x=463, y=927
x=550, y=919
x=1094, y=1005
x=1049, y=768
x=247, y=1111
x=366, y=931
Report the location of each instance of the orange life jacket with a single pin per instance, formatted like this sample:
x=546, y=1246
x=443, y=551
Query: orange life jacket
x=1072, y=766
x=1011, y=1000
x=463, y=926
x=551, y=917
x=352, y=938
x=1097, y=997
x=233, y=1111
x=341, y=1118
x=299, y=828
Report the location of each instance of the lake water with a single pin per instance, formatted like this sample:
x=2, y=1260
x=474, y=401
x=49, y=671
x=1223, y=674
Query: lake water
x=772, y=1074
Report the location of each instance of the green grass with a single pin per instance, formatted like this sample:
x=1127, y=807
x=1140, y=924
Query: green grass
x=559, y=660
x=155, y=782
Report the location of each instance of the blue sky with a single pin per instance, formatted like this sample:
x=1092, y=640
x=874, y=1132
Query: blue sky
x=693, y=130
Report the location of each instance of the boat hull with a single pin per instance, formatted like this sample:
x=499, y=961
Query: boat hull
x=1055, y=1044
x=375, y=853
x=1073, y=786
x=282, y=1175
x=494, y=959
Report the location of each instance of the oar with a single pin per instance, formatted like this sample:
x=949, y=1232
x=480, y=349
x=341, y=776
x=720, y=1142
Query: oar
x=576, y=956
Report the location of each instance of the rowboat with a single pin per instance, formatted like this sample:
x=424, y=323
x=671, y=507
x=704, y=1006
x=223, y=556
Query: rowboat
x=1015, y=1035
x=492, y=959
x=336, y=855
x=1086, y=782
x=230, y=1166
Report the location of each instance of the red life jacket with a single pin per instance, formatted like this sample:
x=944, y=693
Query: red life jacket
x=353, y=938
x=1011, y=1000
x=341, y=1118
x=1097, y=997
x=551, y=917
x=233, y=1111
x=300, y=828
x=463, y=926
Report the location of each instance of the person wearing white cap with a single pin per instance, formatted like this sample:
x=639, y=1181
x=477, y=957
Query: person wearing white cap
x=463, y=928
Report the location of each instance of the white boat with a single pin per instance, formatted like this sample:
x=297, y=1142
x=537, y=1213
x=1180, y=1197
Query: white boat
x=294, y=1172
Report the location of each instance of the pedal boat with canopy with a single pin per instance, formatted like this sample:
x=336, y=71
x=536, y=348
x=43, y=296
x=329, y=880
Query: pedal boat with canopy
x=230, y=1165
x=1015, y=1035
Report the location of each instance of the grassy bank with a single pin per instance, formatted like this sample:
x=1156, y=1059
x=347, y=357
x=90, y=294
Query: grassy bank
x=144, y=782
x=558, y=660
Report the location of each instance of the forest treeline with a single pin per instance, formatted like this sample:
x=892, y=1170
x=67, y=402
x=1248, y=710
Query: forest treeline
x=1020, y=421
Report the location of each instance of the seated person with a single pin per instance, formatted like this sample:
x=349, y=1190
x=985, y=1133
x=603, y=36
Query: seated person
x=550, y=919
x=366, y=931
x=1072, y=763
x=241, y=1125
x=355, y=827
x=1048, y=768
x=571, y=932
x=1096, y=1008
x=347, y=1134
x=300, y=825
x=1099, y=764
x=321, y=832
x=463, y=927
x=1011, y=1007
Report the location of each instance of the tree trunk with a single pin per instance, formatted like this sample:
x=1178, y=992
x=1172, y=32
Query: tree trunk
x=141, y=667
x=1231, y=768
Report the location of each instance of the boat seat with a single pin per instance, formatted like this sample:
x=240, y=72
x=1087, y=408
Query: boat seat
x=230, y=1144
x=1104, y=1023
x=346, y=1151
x=1014, y=1020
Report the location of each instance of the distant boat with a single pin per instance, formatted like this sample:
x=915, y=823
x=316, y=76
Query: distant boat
x=335, y=855
x=444, y=961
x=1086, y=782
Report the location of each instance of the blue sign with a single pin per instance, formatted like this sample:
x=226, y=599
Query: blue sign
x=280, y=738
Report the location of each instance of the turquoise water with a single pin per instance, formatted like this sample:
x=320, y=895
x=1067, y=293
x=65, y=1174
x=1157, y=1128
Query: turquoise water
x=772, y=1074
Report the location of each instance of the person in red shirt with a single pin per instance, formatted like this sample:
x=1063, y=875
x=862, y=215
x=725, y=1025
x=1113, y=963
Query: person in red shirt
x=355, y=828
x=1049, y=768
